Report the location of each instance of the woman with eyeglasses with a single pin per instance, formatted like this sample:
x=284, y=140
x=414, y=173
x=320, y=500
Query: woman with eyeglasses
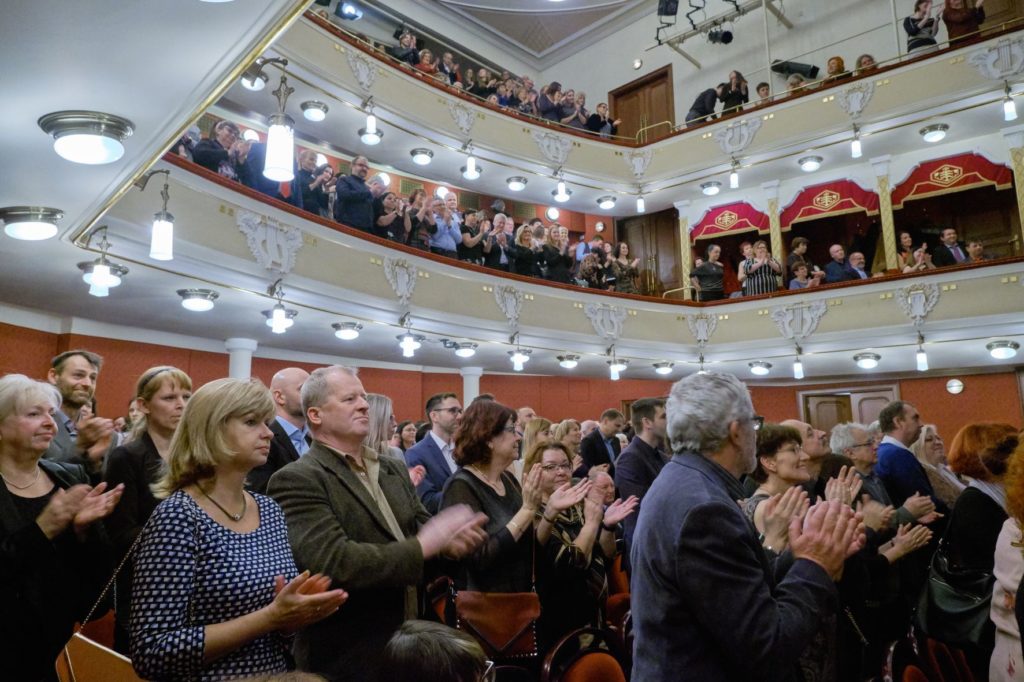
x=781, y=466
x=431, y=652
x=161, y=394
x=576, y=534
x=930, y=451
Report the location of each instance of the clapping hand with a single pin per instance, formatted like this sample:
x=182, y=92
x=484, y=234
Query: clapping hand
x=908, y=539
x=566, y=496
x=828, y=534
x=96, y=505
x=779, y=512
x=876, y=515
x=302, y=601
x=531, y=489
x=844, y=487
x=620, y=509
x=417, y=474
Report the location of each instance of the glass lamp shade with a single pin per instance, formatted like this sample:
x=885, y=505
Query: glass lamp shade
x=280, y=162
x=88, y=149
x=161, y=245
x=30, y=230
x=641, y=205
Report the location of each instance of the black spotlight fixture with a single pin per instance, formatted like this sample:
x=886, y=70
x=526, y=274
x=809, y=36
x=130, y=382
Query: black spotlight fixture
x=720, y=36
x=668, y=8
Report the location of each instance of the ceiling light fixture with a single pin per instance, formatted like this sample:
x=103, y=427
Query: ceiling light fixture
x=279, y=164
x=700, y=365
x=516, y=183
x=198, y=300
x=561, y=193
x=409, y=343
x=606, y=203
x=384, y=178
x=922, y=359
x=734, y=175
x=88, y=137
x=519, y=357
x=30, y=223
x=552, y=213
x=465, y=349
x=759, y=367
x=441, y=192
x=641, y=205
x=279, y=318
x=369, y=134
x=471, y=171
x=809, y=164
x=867, y=360
x=314, y=110
x=1009, y=107
x=254, y=78
x=711, y=188
x=348, y=10
x=616, y=367
x=637, y=63
x=1003, y=350
x=250, y=135
x=568, y=361
x=422, y=157
x=101, y=275
x=855, y=148
x=663, y=367
x=347, y=331
x=161, y=239
x=936, y=132
x=798, y=365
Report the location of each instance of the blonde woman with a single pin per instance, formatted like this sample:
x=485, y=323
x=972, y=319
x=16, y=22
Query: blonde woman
x=569, y=434
x=535, y=430
x=930, y=451
x=526, y=254
x=382, y=429
x=216, y=589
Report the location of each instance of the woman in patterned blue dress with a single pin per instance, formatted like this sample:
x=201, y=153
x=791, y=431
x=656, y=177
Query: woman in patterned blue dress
x=216, y=591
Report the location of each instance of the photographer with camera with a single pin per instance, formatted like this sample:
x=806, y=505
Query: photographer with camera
x=316, y=182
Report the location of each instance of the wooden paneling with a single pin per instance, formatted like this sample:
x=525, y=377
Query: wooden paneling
x=825, y=411
x=646, y=101
x=654, y=239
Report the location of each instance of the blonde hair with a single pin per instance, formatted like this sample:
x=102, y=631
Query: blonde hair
x=378, y=438
x=17, y=392
x=146, y=388
x=530, y=440
x=563, y=429
x=198, y=446
x=523, y=229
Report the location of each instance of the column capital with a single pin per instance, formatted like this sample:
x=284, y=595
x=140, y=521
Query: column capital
x=682, y=206
x=771, y=189
x=239, y=343
x=471, y=371
x=1014, y=135
x=881, y=164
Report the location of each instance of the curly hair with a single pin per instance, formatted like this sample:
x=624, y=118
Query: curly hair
x=482, y=421
x=982, y=450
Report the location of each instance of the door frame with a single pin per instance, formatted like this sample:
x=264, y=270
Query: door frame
x=801, y=395
x=657, y=74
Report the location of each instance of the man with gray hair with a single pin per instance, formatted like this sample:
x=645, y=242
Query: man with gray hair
x=707, y=601
x=355, y=517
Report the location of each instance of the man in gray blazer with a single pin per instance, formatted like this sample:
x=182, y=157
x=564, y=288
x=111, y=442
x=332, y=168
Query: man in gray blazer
x=75, y=373
x=355, y=517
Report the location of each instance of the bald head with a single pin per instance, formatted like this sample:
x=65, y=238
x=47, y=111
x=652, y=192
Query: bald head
x=286, y=387
x=813, y=442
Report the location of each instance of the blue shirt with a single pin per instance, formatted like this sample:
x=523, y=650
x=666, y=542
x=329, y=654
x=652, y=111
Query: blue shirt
x=448, y=234
x=296, y=435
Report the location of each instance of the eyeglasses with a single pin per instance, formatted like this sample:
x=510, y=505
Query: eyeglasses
x=560, y=467
x=758, y=421
x=450, y=410
x=490, y=673
x=510, y=428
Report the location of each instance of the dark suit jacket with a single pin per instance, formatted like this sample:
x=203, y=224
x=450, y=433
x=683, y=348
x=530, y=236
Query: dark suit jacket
x=45, y=585
x=707, y=603
x=62, y=449
x=353, y=203
x=636, y=468
x=593, y=452
x=942, y=256
x=839, y=272
x=903, y=476
x=429, y=455
x=282, y=452
x=336, y=528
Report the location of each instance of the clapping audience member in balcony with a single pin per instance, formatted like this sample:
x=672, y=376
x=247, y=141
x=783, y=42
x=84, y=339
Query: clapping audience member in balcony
x=449, y=68
x=601, y=123
x=703, y=108
x=735, y=94
x=921, y=26
x=707, y=278
x=976, y=251
x=406, y=50
x=527, y=102
x=764, y=93
x=468, y=81
x=963, y=21
x=627, y=271
x=389, y=218
x=486, y=85
x=858, y=265
x=498, y=245
x=836, y=70
x=502, y=95
x=549, y=103
x=762, y=271
x=801, y=278
x=609, y=271
x=555, y=256
x=865, y=64
x=419, y=220
x=798, y=253
x=426, y=62
x=475, y=231
x=353, y=203
x=568, y=110
x=910, y=259
x=525, y=253
x=583, y=114
x=444, y=241
x=950, y=251
x=795, y=84
x=224, y=152
x=591, y=272
x=313, y=182
x=838, y=269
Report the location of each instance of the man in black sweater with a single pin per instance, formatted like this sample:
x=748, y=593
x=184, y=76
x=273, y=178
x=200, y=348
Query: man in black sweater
x=703, y=108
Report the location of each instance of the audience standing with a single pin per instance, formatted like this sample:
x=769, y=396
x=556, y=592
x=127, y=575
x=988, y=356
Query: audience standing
x=436, y=452
x=353, y=203
x=78, y=441
x=642, y=460
x=291, y=437
x=601, y=446
x=921, y=27
x=962, y=21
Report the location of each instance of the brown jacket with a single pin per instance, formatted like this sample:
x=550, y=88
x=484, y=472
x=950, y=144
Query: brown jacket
x=336, y=528
x=962, y=23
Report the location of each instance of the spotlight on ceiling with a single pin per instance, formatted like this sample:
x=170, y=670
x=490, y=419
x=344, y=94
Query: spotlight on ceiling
x=552, y=213
x=348, y=10
x=759, y=367
x=1003, y=350
x=561, y=193
x=516, y=183
x=711, y=188
x=720, y=36
x=88, y=137
x=30, y=223
x=568, y=361
x=347, y=331
x=198, y=300
x=867, y=360
x=369, y=134
x=936, y=132
x=314, y=110
x=421, y=157
x=606, y=203
x=809, y=164
x=663, y=367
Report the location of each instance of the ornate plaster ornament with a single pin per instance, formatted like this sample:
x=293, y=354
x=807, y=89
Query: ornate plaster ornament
x=363, y=69
x=1001, y=61
x=853, y=99
x=554, y=148
x=608, y=320
x=273, y=244
x=639, y=160
x=702, y=326
x=462, y=115
x=917, y=301
x=736, y=137
x=798, y=321
x=401, y=275
x=510, y=301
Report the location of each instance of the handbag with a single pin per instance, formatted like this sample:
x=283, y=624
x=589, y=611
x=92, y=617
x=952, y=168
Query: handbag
x=504, y=623
x=955, y=602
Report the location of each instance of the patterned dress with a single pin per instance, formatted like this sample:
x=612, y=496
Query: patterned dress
x=191, y=572
x=764, y=280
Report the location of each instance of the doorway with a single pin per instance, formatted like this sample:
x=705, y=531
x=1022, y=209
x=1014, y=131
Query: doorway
x=825, y=409
x=642, y=105
x=654, y=239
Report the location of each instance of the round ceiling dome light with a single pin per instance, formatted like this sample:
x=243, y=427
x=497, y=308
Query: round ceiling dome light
x=314, y=110
x=935, y=132
x=441, y=192
x=809, y=164
x=663, y=367
x=759, y=367
x=711, y=188
x=1003, y=350
x=88, y=137
x=516, y=183
x=198, y=300
x=606, y=203
x=466, y=349
x=30, y=223
x=552, y=213
x=422, y=157
x=347, y=331
x=568, y=361
x=867, y=360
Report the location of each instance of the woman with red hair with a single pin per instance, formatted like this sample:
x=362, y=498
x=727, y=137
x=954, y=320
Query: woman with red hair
x=1007, y=601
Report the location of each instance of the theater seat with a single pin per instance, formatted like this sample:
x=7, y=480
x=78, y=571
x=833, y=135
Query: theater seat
x=585, y=655
x=618, y=581
x=913, y=674
x=593, y=667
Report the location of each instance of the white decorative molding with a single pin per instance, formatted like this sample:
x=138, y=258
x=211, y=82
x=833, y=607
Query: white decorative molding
x=853, y=99
x=736, y=137
x=917, y=301
x=607, y=319
x=702, y=326
x=639, y=160
x=462, y=115
x=554, y=148
x=363, y=68
x=401, y=276
x=798, y=321
x=1001, y=61
x=273, y=244
x=510, y=301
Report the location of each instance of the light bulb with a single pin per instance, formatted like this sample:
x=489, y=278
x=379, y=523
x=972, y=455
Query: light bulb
x=1009, y=109
x=517, y=365
x=98, y=291
x=409, y=345
x=197, y=305
x=867, y=360
x=279, y=165
x=369, y=134
x=760, y=368
x=855, y=149
x=798, y=369
x=371, y=123
x=465, y=352
x=606, y=203
x=922, y=360
x=663, y=367
x=734, y=180
x=161, y=243
x=470, y=170
x=640, y=205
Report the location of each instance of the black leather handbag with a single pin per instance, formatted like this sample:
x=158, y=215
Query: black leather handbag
x=955, y=602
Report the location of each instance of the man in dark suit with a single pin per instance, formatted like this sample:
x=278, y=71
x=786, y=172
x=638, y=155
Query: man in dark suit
x=291, y=437
x=87, y=441
x=949, y=251
x=838, y=270
x=353, y=203
x=641, y=461
x=354, y=517
x=602, y=445
x=708, y=603
x=434, y=452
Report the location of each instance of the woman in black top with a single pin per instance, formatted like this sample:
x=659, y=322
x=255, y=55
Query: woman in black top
x=313, y=181
x=161, y=394
x=555, y=256
x=921, y=28
x=419, y=221
x=389, y=217
x=709, y=276
x=54, y=557
x=735, y=94
x=526, y=253
x=602, y=124
x=486, y=443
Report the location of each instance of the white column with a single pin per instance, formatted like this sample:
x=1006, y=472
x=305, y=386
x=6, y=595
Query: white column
x=470, y=383
x=240, y=357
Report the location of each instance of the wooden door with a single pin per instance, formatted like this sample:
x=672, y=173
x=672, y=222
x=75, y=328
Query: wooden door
x=654, y=240
x=999, y=11
x=826, y=410
x=866, y=405
x=645, y=102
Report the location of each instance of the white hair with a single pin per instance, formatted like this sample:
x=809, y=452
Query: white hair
x=842, y=436
x=17, y=392
x=700, y=409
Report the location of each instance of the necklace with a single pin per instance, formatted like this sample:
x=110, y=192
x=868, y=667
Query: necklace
x=484, y=476
x=22, y=487
x=233, y=517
